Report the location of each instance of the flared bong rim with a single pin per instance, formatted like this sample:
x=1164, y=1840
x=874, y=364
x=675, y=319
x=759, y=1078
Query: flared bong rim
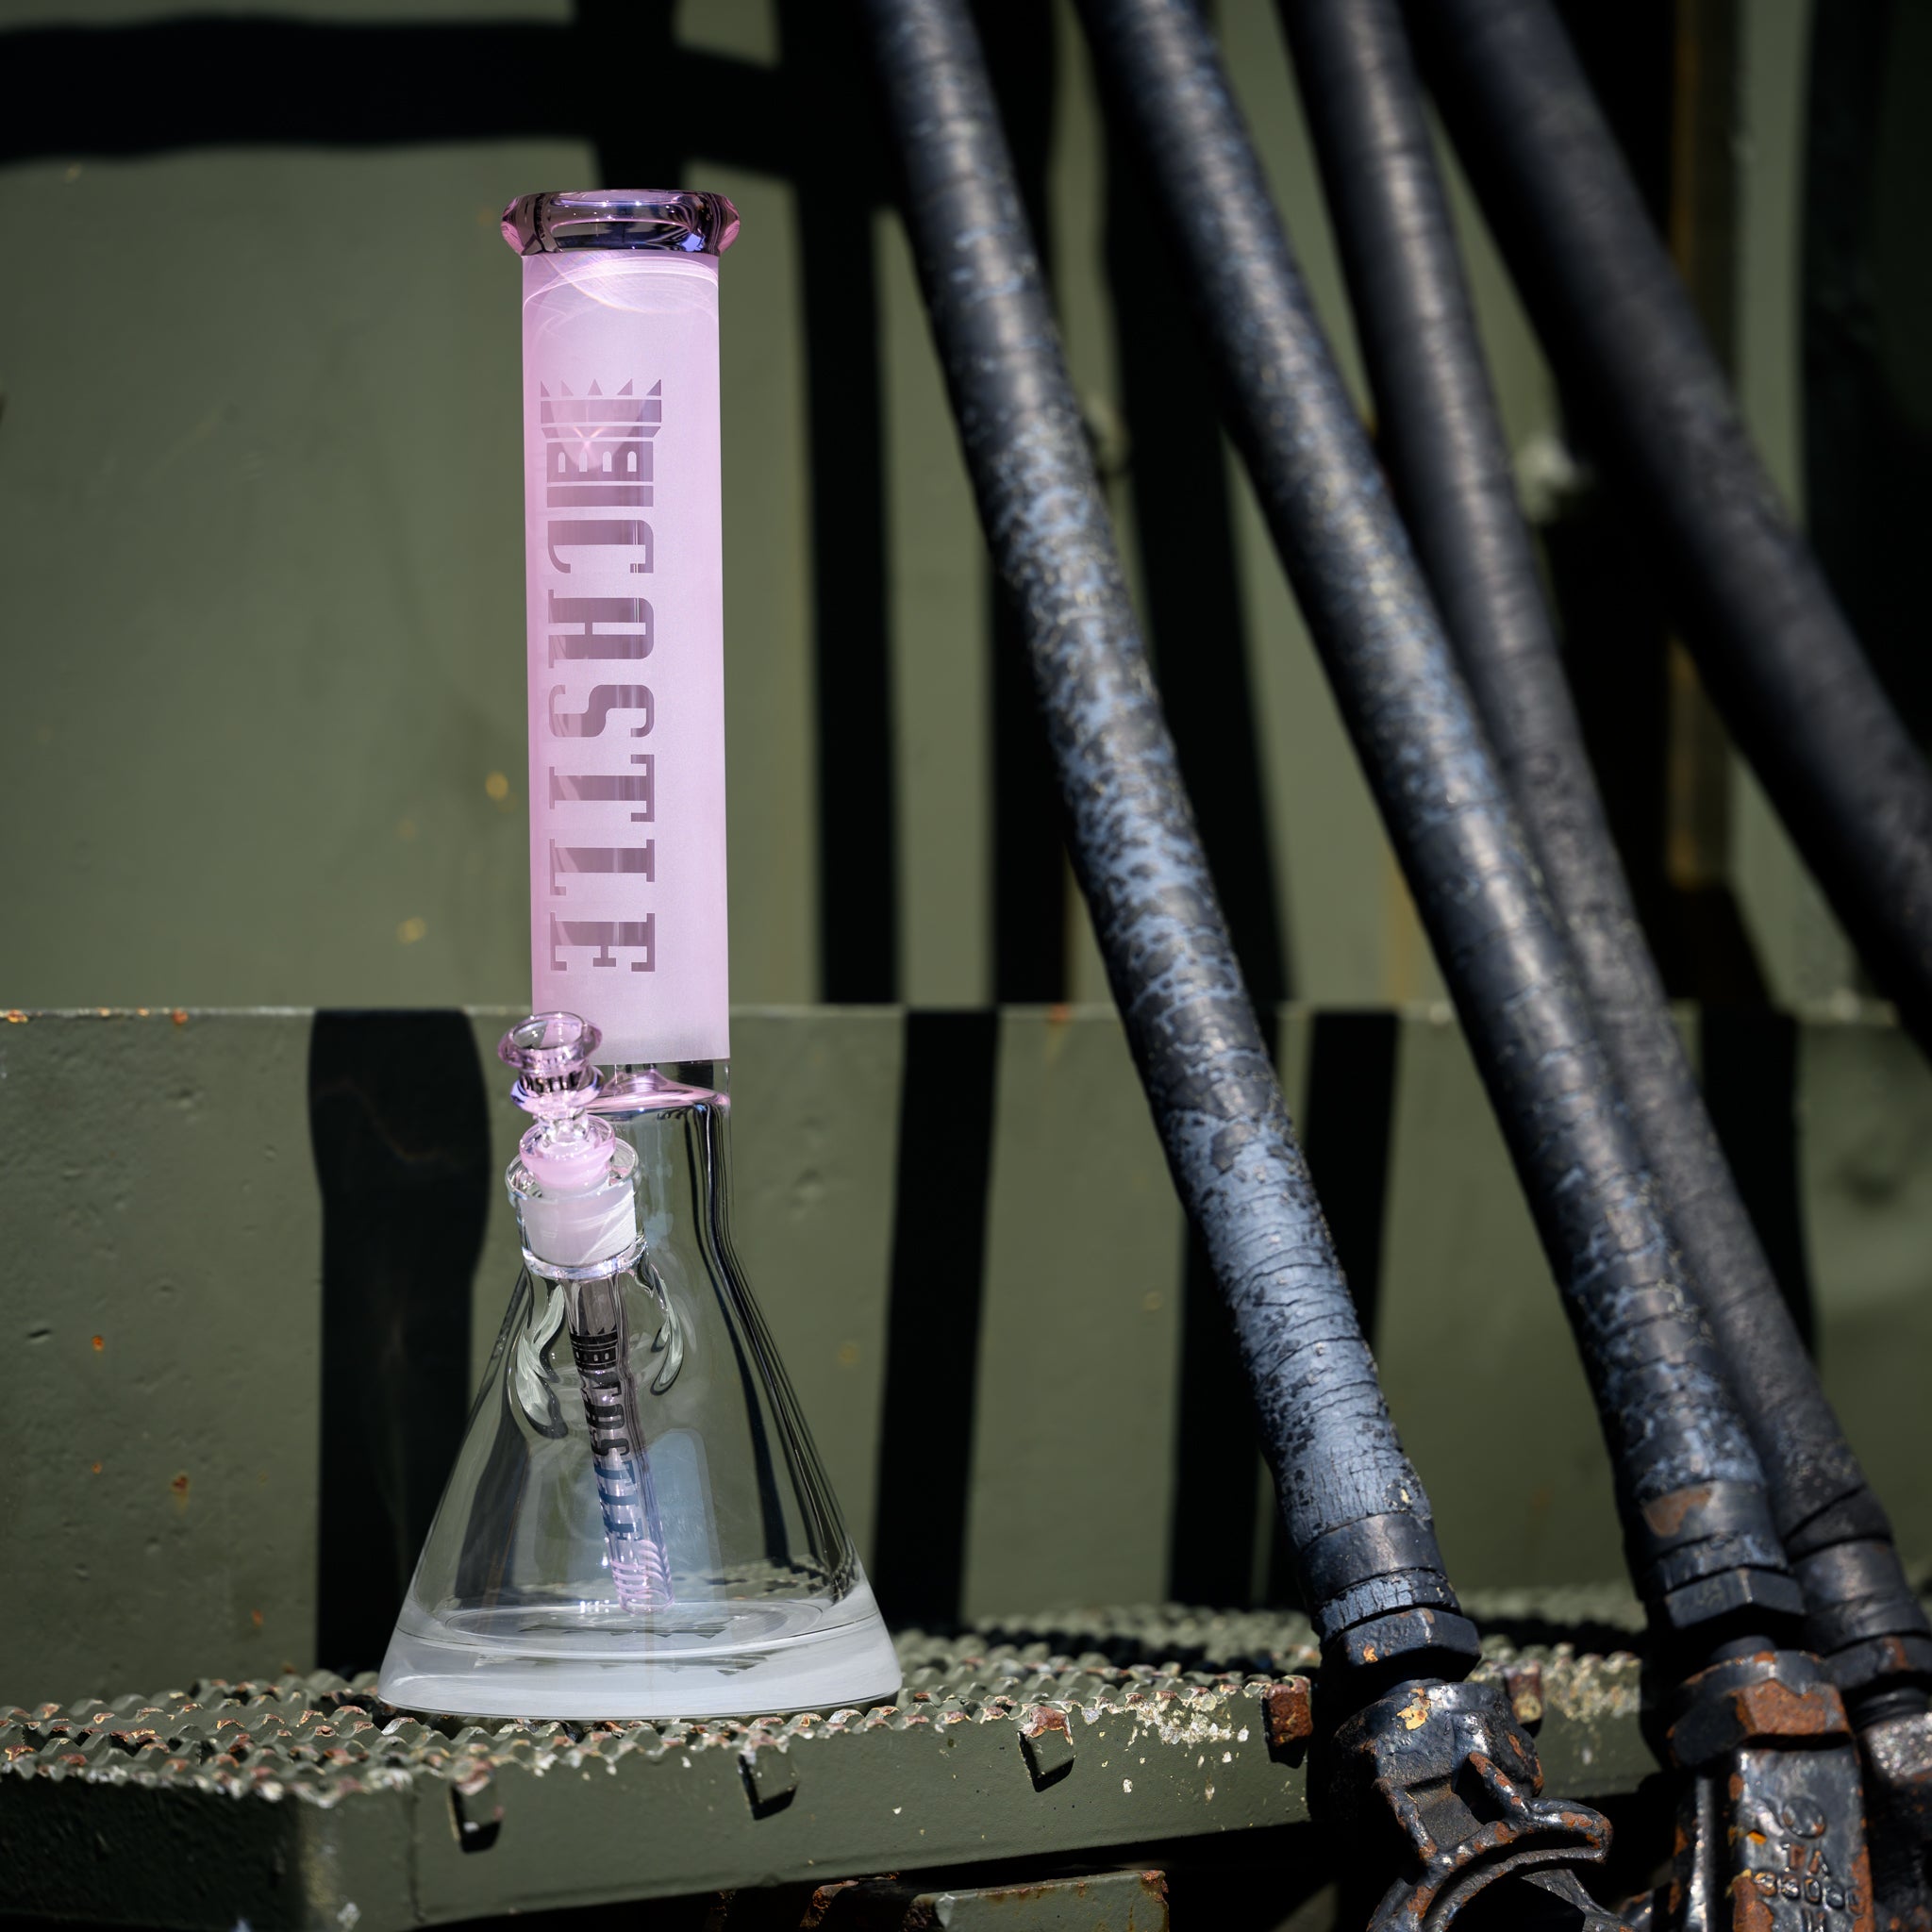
x=676, y=221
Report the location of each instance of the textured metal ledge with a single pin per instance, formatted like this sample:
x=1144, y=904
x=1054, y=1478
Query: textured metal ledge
x=306, y=1802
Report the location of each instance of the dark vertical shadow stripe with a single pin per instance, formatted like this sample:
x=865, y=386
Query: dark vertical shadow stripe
x=1751, y=1088
x=255, y=80
x=1605, y=578
x=1031, y=906
x=857, y=847
x=638, y=144
x=1347, y=1121
x=398, y=1126
x=932, y=1340
x=1348, y=1113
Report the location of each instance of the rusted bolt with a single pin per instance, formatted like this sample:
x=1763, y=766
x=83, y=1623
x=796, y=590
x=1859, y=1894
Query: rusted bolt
x=1773, y=1697
x=1770, y=1710
x=1524, y=1686
x=1290, y=1715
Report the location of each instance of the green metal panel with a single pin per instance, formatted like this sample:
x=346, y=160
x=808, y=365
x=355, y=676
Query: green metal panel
x=161, y=1309
x=275, y=471
x=1476, y=1358
x=1351, y=933
x=1866, y=1149
x=271, y=468
x=1077, y=1342
x=747, y=30
x=815, y=1130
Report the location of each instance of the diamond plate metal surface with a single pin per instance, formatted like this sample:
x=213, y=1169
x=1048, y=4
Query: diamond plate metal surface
x=306, y=1802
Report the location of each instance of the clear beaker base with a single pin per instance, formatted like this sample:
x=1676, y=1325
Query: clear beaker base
x=841, y=1657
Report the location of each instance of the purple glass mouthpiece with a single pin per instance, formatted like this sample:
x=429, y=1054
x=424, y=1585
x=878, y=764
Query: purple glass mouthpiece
x=552, y=1053
x=549, y=1044
x=658, y=218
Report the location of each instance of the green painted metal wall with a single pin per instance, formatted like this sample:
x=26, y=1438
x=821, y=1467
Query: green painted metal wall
x=161, y=1313
x=259, y=563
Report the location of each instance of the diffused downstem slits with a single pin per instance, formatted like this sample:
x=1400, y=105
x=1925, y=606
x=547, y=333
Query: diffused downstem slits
x=633, y=1529
x=574, y=1185
x=1443, y=444
x=1619, y=325
x=1434, y=1769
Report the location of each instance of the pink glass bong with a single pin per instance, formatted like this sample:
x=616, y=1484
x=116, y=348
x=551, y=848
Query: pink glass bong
x=638, y=1525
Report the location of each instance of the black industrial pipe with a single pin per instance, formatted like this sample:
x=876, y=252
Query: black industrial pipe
x=1443, y=444
x=1444, y=447
x=1617, y=321
x=1349, y=1491
x=1357, y=1516
x=1698, y=1529
x=1666, y=1407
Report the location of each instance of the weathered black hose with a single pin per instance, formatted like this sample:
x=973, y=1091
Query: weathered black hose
x=1688, y=1478
x=1443, y=444
x=1356, y=1515
x=1617, y=321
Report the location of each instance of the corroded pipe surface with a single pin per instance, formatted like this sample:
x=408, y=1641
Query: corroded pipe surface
x=1356, y=1513
x=1443, y=444
x=1796, y=689
x=1698, y=1528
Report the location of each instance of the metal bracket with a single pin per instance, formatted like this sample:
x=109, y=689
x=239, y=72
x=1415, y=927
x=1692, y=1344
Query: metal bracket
x=1771, y=1819
x=1454, y=1773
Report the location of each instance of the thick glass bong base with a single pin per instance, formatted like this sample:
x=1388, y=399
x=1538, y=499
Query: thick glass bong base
x=712, y=1659
x=638, y=1525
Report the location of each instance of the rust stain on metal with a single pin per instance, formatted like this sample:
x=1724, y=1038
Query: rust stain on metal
x=1858, y=1895
x=1288, y=1711
x=1750, y=1909
x=1769, y=1709
x=1522, y=1684
x=1665, y=1515
x=1041, y=1718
